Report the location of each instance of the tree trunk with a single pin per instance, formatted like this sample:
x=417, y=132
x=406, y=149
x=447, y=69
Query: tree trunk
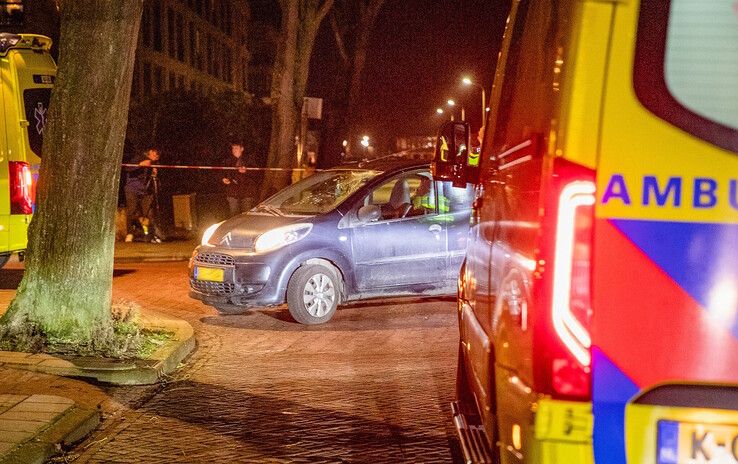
x=67, y=286
x=284, y=113
x=300, y=22
x=352, y=38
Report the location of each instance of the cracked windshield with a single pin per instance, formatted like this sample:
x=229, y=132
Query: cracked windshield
x=319, y=193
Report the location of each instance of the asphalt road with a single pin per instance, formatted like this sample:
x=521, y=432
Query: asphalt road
x=371, y=386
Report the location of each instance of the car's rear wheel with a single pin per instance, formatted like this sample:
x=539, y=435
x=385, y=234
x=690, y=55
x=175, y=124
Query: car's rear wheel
x=314, y=293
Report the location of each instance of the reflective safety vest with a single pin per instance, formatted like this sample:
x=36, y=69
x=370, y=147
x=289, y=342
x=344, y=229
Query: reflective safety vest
x=474, y=157
x=428, y=202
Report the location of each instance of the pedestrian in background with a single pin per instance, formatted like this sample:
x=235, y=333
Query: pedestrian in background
x=240, y=187
x=140, y=217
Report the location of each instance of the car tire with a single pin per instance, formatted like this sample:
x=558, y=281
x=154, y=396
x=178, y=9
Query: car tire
x=314, y=293
x=231, y=310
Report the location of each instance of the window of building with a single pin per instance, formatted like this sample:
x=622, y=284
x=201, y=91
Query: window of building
x=156, y=22
x=146, y=27
x=245, y=75
x=171, y=37
x=211, y=55
x=179, y=36
x=218, y=62
x=228, y=18
x=199, y=42
x=136, y=83
x=192, y=54
x=158, y=80
x=147, y=90
x=11, y=13
x=227, y=70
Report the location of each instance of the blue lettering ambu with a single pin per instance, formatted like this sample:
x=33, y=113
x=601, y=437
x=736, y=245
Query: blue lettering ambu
x=616, y=188
x=705, y=193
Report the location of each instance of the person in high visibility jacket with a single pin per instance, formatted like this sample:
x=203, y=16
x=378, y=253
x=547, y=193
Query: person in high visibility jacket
x=476, y=151
x=424, y=201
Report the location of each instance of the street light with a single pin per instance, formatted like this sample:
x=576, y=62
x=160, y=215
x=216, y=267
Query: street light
x=439, y=110
x=468, y=81
x=451, y=103
x=365, y=141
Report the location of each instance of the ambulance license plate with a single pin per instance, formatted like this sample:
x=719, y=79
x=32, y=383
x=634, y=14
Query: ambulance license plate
x=209, y=274
x=685, y=442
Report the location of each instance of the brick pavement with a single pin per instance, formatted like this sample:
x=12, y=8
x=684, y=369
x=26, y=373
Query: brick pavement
x=373, y=385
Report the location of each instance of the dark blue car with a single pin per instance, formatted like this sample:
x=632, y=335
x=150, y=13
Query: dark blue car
x=381, y=228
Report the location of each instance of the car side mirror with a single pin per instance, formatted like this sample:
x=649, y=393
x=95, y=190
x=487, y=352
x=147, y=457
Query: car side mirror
x=453, y=160
x=369, y=213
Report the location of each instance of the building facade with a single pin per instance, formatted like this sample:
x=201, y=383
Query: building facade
x=194, y=45
x=197, y=45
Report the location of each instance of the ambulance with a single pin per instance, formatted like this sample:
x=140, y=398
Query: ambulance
x=27, y=71
x=598, y=300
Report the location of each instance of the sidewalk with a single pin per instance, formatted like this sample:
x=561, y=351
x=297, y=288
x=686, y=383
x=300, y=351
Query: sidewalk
x=44, y=408
x=136, y=252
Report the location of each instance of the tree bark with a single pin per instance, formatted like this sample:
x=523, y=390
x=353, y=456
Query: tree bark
x=67, y=286
x=300, y=22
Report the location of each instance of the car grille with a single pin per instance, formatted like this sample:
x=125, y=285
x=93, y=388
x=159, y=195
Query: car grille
x=213, y=288
x=215, y=258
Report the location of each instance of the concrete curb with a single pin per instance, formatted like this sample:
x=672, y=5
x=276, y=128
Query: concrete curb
x=70, y=427
x=151, y=259
x=129, y=372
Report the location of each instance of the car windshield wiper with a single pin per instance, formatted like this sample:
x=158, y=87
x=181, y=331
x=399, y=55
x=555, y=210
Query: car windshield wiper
x=270, y=209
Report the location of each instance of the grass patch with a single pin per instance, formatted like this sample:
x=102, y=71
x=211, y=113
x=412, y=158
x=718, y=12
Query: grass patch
x=122, y=337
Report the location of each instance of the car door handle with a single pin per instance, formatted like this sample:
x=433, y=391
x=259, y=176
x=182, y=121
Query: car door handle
x=435, y=228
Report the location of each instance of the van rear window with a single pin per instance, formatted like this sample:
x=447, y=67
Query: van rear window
x=686, y=67
x=36, y=103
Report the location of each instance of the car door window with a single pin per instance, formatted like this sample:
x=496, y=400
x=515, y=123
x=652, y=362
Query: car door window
x=407, y=195
x=456, y=199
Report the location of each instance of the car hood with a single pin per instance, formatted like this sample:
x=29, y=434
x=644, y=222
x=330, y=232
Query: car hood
x=241, y=231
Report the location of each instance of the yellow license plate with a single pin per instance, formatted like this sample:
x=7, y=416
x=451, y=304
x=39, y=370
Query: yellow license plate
x=209, y=274
x=684, y=442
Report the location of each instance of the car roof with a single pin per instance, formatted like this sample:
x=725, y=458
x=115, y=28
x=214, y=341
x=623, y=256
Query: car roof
x=393, y=162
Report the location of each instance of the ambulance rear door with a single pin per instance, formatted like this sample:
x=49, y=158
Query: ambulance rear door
x=665, y=278
x=28, y=74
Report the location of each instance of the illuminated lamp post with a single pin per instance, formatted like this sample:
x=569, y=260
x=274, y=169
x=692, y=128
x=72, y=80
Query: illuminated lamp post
x=467, y=81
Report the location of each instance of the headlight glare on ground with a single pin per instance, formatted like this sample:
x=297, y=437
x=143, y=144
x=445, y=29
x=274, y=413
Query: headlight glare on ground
x=209, y=233
x=281, y=236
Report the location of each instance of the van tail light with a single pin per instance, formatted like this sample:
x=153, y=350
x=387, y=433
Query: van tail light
x=21, y=187
x=571, y=308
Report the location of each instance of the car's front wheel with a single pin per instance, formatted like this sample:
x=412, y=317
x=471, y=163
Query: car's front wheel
x=313, y=294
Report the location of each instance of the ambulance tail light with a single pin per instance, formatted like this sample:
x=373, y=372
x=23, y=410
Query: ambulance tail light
x=21, y=186
x=571, y=308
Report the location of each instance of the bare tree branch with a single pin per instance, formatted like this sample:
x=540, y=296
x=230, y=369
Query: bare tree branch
x=373, y=9
x=324, y=9
x=340, y=43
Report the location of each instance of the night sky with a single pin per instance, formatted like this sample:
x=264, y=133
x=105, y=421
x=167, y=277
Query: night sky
x=419, y=51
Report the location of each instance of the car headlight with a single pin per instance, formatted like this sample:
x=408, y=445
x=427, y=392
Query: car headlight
x=281, y=236
x=209, y=233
